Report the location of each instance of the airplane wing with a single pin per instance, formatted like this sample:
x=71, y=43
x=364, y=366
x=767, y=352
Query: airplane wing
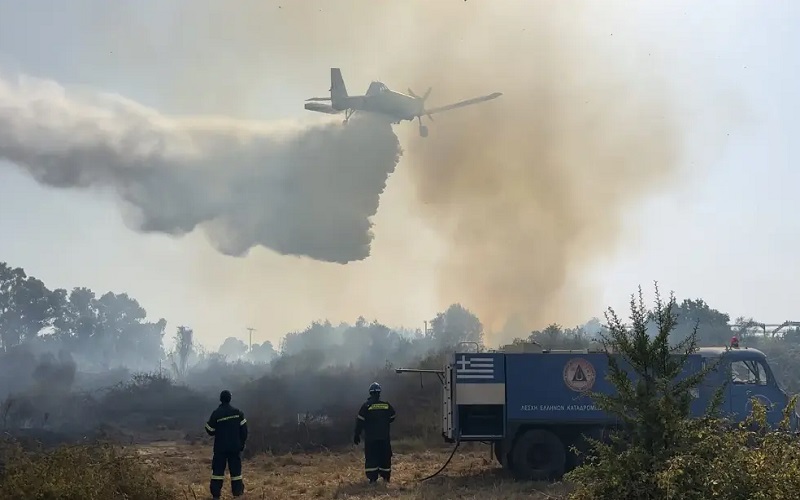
x=461, y=104
x=321, y=108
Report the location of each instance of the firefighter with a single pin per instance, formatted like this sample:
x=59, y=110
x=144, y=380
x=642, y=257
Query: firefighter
x=229, y=428
x=374, y=418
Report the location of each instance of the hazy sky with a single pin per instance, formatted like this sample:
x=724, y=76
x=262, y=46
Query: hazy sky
x=727, y=230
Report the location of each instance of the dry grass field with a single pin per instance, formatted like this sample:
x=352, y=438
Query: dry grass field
x=470, y=475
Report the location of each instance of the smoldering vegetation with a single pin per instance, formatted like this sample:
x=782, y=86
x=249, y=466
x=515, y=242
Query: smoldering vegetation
x=64, y=374
x=296, y=190
x=75, y=366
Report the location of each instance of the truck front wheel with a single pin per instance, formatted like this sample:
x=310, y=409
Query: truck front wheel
x=538, y=455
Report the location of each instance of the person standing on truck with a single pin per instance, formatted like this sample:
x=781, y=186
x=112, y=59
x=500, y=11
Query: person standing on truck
x=229, y=428
x=374, y=418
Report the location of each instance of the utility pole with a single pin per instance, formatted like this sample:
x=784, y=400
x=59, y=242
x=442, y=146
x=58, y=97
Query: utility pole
x=251, y=330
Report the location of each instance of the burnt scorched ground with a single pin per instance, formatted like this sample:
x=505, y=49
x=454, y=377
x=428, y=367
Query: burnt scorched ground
x=339, y=475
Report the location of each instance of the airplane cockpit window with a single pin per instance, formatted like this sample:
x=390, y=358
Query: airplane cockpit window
x=748, y=372
x=376, y=88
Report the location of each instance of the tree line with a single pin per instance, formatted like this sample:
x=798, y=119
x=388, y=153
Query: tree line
x=112, y=330
x=103, y=331
x=711, y=328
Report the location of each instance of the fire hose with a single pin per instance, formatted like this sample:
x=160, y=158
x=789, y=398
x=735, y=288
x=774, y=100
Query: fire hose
x=443, y=466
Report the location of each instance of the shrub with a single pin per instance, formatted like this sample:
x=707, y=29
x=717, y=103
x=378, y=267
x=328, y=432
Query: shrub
x=711, y=460
x=150, y=400
x=84, y=472
x=659, y=452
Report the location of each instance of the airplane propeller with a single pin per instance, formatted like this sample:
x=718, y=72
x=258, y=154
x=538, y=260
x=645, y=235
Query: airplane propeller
x=423, y=99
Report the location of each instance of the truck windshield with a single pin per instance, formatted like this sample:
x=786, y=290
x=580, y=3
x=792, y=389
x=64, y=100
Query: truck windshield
x=748, y=372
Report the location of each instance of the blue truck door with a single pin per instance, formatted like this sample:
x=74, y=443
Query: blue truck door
x=749, y=378
x=702, y=394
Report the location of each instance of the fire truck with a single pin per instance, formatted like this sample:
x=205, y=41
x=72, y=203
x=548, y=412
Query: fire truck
x=533, y=405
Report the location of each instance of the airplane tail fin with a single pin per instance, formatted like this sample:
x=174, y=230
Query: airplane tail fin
x=338, y=90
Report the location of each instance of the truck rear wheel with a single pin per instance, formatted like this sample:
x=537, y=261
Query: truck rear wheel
x=538, y=455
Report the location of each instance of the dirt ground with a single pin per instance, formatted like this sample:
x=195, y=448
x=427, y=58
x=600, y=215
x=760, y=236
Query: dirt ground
x=471, y=474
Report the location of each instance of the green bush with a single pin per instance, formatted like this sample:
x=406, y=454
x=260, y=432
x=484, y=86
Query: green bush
x=84, y=472
x=661, y=453
x=709, y=459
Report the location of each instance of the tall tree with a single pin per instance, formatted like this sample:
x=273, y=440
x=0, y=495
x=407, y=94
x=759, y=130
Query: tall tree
x=128, y=338
x=369, y=344
x=233, y=348
x=317, y=336
x=184, y=348
x=9, y=280
x=713, y=326
x=262, y=353
x=27, y=306
x=456, y=324
x=81, y=323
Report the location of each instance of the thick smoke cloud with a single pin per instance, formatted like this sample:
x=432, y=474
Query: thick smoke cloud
x=527, y=193
x=304, y=191
x=530, y=190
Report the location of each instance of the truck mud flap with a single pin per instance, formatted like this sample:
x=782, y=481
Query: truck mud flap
x=497, y=448
x=538, y=455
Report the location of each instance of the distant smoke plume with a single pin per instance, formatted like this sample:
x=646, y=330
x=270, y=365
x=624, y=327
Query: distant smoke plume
x=303, y=191
x=530, y=190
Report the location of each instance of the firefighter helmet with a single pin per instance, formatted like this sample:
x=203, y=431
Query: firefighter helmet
x=375, y=388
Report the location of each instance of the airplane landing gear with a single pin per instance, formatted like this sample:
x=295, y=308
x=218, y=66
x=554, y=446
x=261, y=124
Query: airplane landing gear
x=347, y=114
x=423, y=130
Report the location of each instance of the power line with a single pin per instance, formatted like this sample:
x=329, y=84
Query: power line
x=251, y=330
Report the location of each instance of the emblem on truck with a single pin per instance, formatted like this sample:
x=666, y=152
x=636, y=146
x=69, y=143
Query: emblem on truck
x=748, y=407
x=579, y=374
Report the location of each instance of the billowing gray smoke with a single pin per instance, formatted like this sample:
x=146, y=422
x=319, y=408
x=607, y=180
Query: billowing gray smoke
x=297, y=190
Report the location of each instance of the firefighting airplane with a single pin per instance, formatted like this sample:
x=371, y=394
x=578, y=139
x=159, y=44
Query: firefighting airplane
x=379, y=99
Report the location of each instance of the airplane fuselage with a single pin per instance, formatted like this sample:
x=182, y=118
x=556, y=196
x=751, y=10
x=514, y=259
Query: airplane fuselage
x=381, y=100
x=394, y=104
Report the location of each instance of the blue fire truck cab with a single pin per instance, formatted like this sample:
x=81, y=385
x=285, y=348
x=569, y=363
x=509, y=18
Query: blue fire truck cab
x=533, y=405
